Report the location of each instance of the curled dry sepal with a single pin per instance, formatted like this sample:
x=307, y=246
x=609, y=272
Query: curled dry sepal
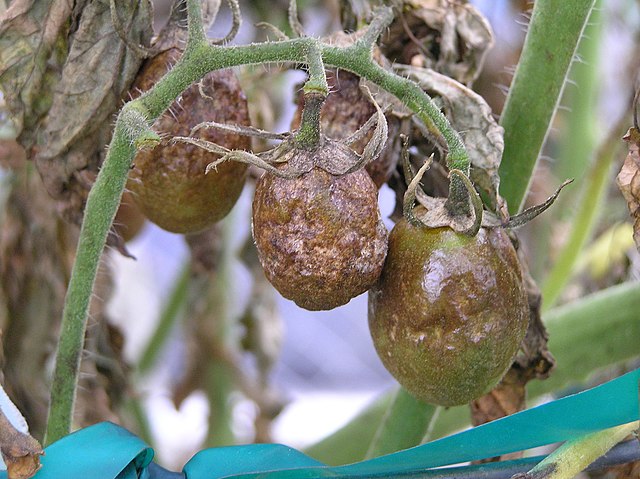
x=20, y=451
x=629, y=180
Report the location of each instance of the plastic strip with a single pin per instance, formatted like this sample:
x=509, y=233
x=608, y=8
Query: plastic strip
x=107, y=451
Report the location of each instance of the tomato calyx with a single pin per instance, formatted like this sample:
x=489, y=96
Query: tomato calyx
x=437, y=212
x=303, y=149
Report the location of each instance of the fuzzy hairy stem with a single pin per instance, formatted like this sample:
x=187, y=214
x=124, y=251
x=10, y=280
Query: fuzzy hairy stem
x=536, y=89
x=133, y=129
x=195, y=26
x=102, y=204
x=315, y=91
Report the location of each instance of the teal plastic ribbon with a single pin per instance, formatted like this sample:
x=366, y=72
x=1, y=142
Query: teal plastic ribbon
x=107, y=451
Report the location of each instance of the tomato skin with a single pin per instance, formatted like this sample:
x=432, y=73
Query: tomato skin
x=449, y=312
x=320, y=238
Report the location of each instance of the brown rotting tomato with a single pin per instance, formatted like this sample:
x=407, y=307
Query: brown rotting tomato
x=320, y=238
x=169, y=181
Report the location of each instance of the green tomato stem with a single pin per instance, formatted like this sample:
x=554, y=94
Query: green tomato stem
x=102, y=204
x=195, y=27
x=308, y=135
x=536, y=88
x=574, y=456
x=317, y=82
x=315, y=91
x=133, y=129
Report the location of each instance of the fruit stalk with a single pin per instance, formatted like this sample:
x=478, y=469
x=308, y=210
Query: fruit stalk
x=315, y=91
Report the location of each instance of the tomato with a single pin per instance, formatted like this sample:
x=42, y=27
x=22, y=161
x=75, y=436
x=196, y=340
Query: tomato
x=168, y=181
x=449, y=311
x=320, y=237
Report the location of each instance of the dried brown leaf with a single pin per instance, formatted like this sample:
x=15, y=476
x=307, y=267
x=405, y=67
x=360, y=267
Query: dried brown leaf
x=32, y=48
x=95, y=77
x=469, y=114
x=20, y=451
x=629, y=180
x=451, y=38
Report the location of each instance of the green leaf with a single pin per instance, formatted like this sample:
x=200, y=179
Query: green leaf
x=351, y=442
x=596, y=331
x=404, y=425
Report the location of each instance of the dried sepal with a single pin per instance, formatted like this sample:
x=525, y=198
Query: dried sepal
x=476, y=202
x=333, y=156
x=240, y=130
x=410, y=195
x=374, y=147
x=468, y=112
x=349, y=113
x=629, y=180
x=530, y=213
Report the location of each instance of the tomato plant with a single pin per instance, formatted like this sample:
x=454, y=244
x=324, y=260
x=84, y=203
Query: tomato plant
x=454, y=309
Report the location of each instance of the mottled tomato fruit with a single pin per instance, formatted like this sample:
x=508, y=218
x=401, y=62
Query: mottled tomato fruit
x=449, y=312
x=169, y=181
x=320, y=238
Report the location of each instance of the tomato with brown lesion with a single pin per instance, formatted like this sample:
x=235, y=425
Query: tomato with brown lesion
x=449, y=312
x=169, y=181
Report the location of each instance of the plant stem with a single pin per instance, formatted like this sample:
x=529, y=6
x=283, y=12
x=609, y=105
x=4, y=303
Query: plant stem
x=195, y=27
x=102, y=204
x=315, y=91
x=574, y=456
x=168, y=319
x=133, y=129
x=551, y=42
x=584, y=130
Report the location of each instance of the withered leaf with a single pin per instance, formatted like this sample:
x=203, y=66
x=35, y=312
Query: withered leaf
x=469, y=114
x=629, y=180
x=32, y=48
x=451, y=38
x=20, y=451
x=96, y=75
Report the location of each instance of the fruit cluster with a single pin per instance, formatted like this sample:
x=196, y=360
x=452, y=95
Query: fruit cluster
x=447, y=309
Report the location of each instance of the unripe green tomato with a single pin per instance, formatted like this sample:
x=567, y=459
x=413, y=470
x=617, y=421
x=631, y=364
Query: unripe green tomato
x=449, y=312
